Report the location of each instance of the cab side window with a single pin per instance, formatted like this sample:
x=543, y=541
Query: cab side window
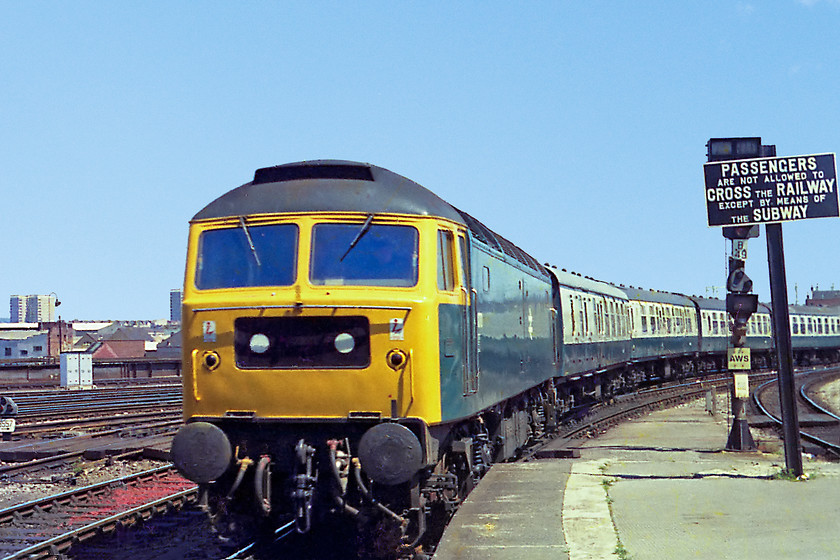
x=445, y=262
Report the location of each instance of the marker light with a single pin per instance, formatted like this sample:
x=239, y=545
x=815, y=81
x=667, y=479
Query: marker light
x=344, y=343
x=259, y=343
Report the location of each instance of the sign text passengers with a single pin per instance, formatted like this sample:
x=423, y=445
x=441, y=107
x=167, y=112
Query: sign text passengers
x=766, y=190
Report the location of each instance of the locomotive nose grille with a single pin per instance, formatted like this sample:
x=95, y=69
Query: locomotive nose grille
x=302, y=342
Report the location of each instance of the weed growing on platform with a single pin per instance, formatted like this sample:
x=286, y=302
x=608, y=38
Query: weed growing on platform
x=786, y=474
x=621, y=552
x=606, y=484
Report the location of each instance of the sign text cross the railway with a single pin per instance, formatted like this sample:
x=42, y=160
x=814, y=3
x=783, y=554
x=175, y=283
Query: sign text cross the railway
x=771, y=190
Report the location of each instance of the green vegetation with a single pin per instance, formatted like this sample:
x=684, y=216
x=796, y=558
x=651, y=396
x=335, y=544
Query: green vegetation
x=785, y=474
x=621, y=552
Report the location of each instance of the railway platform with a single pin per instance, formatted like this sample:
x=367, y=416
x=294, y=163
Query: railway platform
x=660, y=486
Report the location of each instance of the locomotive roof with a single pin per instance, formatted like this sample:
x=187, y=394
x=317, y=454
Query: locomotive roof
x=347, y=186
x=328, y=186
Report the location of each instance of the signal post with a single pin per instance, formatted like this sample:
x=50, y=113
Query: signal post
x=747, y=185
x=740, y=304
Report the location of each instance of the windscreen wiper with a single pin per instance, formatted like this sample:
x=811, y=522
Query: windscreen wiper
x=362, y=232
x=250, y=241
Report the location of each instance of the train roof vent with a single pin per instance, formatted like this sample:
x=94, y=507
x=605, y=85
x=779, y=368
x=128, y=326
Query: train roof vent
x=298, y=172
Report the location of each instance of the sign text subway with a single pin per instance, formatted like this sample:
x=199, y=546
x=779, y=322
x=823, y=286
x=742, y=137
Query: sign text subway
x=766, y=190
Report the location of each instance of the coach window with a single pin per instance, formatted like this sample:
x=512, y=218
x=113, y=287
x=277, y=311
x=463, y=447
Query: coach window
x=586, y=316
x=621, y=319
x=580, y=316
x=445, y=263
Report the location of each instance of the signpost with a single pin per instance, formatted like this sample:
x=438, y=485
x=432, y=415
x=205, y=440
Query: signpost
x=771, y=190
x=746, y=184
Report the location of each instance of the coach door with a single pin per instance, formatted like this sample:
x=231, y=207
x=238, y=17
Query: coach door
x=470, y=333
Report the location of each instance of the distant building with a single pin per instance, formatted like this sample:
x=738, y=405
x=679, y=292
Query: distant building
x=169, y=348
x=17, y=308
x=32, y=309
x=117, y=349
x=175, y=306
x=34, y=340
x=823, y=298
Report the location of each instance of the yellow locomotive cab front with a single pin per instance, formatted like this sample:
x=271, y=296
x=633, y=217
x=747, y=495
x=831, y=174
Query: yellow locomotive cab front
x=312, y=316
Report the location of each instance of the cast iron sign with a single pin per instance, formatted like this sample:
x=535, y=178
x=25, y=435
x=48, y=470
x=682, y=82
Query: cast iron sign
x=770, y=190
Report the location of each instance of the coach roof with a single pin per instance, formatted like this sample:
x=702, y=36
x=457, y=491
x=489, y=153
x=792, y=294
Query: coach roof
x=328, y=186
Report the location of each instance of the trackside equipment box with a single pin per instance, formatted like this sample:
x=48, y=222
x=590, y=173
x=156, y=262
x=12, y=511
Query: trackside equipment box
x=76, y=370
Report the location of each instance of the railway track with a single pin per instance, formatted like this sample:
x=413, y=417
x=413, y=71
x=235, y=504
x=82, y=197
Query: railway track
x=819, y=426
x=48, y=526
x=49, y=409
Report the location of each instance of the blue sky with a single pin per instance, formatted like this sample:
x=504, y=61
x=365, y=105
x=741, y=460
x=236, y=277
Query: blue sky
x=575, y=129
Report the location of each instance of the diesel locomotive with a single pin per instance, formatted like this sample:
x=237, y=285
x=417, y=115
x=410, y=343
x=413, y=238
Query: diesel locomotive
x=355, y=346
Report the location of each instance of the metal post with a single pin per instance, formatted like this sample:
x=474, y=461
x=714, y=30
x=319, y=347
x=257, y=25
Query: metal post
x=739, y=284
x=784, y=352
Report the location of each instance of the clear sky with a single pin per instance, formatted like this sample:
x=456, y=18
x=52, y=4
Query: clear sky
x=575, y=129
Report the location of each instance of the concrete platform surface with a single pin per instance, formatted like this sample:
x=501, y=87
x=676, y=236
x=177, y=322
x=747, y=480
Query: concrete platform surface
x=657, y=487
x=517, y=514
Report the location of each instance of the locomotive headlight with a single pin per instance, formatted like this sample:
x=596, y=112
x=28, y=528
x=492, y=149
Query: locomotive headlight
x=344, y=342
x=259, y=343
